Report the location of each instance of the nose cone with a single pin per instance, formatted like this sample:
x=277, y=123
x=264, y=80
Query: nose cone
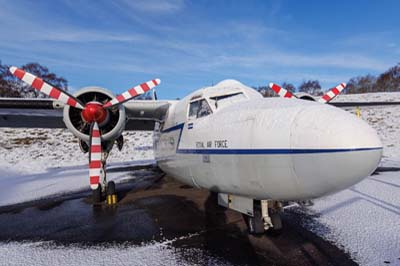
x=338, y=148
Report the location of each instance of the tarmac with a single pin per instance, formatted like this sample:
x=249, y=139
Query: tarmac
x=156, y=207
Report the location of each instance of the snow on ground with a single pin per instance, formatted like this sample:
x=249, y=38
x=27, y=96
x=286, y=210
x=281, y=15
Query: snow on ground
x=35, y=150
x=369, y=97
x=36, y=163
x=157, y=253
x=365, y=219
x=22, y=187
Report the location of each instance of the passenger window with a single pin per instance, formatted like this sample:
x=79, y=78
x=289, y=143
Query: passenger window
x=199, y=109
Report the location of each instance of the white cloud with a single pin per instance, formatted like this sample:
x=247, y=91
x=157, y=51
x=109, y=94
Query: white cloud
x=289, y=59
x=155, y=6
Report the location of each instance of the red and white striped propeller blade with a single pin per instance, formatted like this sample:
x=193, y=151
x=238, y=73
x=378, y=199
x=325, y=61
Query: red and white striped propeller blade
x=332, y=93
x=132, y=93
x=95, y=164
x=47, y=89
x=281, y=91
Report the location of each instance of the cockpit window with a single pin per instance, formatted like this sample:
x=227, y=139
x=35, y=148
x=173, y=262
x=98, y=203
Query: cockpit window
x=199, y=109
x=194, y=108
x=224, y=100
x=204, y=109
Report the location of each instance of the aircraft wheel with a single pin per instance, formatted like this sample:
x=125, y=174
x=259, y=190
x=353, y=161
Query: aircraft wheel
x=96, y=196
x=276, y=221
x=255, y=224
x=111, y=195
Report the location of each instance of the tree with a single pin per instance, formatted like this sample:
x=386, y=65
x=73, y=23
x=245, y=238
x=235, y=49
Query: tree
x=10, y=86
x=265, y=91
x=311, y=87
x=389, y=80
x=289, y=87
x=361, y=84
x=7, y=83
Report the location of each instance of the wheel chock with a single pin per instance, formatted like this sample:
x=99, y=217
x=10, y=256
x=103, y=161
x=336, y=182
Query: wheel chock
x=112, y=199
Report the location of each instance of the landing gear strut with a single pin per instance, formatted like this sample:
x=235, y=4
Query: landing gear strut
x=105, y=190
x=260, y=215
x=266, y=217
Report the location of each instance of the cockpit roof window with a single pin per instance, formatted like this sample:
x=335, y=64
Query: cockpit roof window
x=227, y=99
x=220, y=97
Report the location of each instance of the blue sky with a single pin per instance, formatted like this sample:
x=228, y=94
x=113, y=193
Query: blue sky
x=191, y=44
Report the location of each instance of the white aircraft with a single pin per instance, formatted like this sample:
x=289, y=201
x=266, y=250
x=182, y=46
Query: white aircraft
x=254, y=152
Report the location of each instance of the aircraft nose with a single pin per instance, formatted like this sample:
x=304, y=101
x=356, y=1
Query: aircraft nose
x=336, y=150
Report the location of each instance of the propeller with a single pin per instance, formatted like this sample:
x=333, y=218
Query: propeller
x=95, y=162
x=93, y=113
x=132, y=93
x=327, y=97
x=332, y=93
x=40, y=85
x=281, y=91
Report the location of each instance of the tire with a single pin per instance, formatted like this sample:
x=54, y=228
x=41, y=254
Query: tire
x=276, y=221
x=111, y=188
x=255, y=224
x=96, y=196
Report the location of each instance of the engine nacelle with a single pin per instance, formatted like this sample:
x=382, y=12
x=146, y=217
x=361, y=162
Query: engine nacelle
x=305, y=96
x=111, y=128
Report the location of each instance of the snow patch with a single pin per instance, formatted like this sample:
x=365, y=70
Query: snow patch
x=47, y=253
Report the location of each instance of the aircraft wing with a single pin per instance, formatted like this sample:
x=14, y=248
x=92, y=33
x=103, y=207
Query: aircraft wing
x=48, y=113
x=360, y=104
x=142, y=114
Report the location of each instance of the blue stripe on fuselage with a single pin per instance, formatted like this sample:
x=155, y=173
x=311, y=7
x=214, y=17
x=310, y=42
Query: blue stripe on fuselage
x=257, y=151
x=270, y=151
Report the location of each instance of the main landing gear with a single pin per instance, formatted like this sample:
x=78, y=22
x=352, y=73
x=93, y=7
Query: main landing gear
x=108, y=194
x=260, y=215
x=105, y=190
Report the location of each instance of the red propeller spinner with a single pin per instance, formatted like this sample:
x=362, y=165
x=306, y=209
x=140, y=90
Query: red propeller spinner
x=94, y=112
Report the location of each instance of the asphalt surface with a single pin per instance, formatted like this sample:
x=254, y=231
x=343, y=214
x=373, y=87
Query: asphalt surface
x=155, y=208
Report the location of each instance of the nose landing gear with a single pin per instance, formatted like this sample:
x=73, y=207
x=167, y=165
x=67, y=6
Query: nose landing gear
x=105, y=190
x=266, y=217
x=260, y=215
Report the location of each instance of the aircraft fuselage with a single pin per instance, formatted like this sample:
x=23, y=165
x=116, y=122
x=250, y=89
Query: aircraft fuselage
x=264, y=148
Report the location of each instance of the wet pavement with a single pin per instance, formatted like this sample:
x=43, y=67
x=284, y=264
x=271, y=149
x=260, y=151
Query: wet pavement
x=152, y=208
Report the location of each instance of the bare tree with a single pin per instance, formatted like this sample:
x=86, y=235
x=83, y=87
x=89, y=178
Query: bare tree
x=361, y=84
x=289, y=87
x=311, y=87
x=10, y=86
x=8, y=83
x=389, y=80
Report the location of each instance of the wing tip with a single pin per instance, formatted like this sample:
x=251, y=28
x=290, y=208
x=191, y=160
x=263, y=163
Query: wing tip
x=271, y=85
